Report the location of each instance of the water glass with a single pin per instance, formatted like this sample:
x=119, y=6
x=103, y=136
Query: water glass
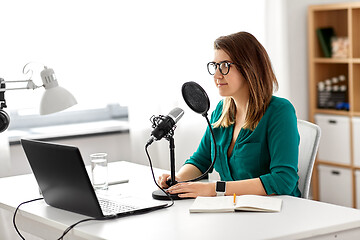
x=99, y=171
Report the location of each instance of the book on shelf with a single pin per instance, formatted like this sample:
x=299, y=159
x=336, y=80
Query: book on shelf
x=254, y=203
x=324, y=35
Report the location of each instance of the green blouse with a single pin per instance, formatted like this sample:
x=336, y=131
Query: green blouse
x=270, y=152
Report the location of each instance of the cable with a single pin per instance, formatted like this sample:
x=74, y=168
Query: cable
x=66, y=230
x=213, y=162
x=73, y=225
x=16, y=210
x=85, y=220
x=153, y=175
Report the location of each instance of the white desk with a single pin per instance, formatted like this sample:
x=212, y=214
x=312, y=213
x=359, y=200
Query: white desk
x=298, y=219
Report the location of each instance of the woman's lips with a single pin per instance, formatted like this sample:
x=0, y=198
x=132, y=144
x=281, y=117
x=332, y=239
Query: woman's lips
x=221, y=84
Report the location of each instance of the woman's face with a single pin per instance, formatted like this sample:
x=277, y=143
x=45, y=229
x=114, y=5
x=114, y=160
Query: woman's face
x=232, y=84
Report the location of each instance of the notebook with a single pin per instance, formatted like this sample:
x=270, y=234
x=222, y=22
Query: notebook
x=252, y=203
x=62, y=178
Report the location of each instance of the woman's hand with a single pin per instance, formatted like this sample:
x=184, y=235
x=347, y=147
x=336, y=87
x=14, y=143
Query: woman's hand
x=193, y=189
x=163, y=178
x=187, y=171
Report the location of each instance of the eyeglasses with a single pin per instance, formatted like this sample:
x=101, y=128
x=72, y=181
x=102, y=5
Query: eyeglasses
x=224, y=67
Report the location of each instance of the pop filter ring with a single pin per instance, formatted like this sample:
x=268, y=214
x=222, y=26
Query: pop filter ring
x=203, y=112
x=196, y=97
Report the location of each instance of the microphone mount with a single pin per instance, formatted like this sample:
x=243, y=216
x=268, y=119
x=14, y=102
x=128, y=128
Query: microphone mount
x=157, y=120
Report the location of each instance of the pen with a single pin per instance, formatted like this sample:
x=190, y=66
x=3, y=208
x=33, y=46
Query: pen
x=118, y=182
x=234, y=199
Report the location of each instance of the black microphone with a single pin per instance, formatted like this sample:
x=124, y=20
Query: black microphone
x=164, y=125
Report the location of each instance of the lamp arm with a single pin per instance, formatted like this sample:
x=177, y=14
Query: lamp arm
x=30, y=85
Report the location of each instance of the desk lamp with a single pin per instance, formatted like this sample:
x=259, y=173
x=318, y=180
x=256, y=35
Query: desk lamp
x=54, y=99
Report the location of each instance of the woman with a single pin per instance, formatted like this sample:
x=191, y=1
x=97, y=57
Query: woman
x=256, y=132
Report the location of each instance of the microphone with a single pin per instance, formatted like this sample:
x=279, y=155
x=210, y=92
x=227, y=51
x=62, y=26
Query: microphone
x=165, y=125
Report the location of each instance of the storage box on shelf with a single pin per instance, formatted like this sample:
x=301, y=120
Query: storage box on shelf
x=335, y=185
x=335, y=138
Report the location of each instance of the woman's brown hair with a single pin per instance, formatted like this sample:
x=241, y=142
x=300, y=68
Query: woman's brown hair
x=253, y=62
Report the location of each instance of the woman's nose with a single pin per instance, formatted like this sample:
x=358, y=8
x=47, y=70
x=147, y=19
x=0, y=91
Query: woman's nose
x=218, y=74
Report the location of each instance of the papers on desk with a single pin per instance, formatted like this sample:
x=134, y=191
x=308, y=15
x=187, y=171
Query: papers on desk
x=243, y=203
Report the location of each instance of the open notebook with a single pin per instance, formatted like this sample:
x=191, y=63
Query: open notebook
x=242, y=203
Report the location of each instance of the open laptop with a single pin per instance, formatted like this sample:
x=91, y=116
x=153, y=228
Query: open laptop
x=65, y=184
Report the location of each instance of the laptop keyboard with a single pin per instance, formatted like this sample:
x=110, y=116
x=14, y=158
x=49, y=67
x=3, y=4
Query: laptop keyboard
x=111, y=207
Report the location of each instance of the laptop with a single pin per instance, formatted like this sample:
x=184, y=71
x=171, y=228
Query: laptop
x=64, y=182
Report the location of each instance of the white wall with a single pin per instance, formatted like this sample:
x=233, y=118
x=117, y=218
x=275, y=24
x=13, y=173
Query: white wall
x=276, y=44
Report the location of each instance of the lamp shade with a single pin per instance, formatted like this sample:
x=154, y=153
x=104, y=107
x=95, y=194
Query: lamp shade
x=55, y=98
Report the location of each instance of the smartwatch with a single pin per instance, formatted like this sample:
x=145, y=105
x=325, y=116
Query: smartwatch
x=220, y=188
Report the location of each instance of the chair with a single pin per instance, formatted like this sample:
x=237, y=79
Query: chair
x=309, y=143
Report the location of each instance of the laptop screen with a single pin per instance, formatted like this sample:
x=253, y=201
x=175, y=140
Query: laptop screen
x=62, y=177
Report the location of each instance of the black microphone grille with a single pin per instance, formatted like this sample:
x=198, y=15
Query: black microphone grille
x=195, y=97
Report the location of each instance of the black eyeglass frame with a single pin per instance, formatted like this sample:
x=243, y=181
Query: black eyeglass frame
x=218, y=64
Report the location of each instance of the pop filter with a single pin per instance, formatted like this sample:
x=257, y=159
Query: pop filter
x=196, y=97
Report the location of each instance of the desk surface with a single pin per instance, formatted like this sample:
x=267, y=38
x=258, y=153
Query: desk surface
x=299, y=218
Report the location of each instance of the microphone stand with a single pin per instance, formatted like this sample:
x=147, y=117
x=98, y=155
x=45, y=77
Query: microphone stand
x=158, y=194
x=172, y=161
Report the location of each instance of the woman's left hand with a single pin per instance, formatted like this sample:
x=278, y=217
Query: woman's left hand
x=193, y=189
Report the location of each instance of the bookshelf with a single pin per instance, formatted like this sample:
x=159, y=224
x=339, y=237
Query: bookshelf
x=344, y=18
